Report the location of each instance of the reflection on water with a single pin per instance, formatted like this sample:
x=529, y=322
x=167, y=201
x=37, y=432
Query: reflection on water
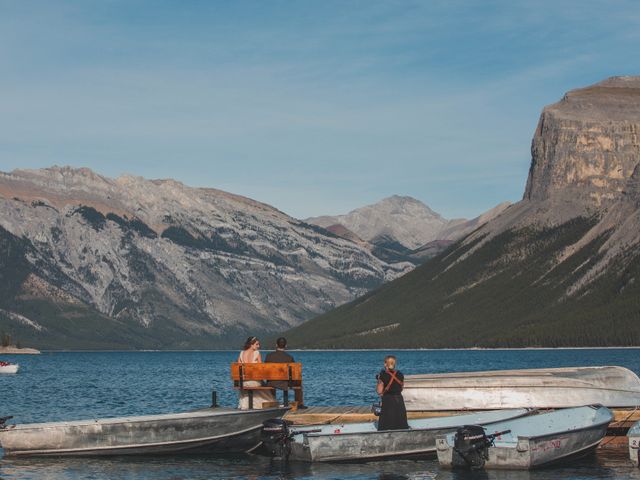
x=197, y=467
x=257, y=467
x=609, y=465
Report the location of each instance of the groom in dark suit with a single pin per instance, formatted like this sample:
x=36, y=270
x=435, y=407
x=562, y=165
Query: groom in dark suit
x=280, y=356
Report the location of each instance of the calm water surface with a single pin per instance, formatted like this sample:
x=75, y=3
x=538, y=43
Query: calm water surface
x=63, y=386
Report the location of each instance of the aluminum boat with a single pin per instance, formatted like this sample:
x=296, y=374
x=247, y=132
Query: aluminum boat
x=361, y=441
x=535, y=388
x=206, y=430
x=528, y=442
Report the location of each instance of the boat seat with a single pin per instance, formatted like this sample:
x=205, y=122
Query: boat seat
x=291, y=373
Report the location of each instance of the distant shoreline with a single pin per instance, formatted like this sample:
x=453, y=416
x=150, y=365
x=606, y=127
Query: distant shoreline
x=345, y=350
x=18, y=351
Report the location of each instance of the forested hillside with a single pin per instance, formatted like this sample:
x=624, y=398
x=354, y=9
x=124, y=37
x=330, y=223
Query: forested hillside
x=559, y=268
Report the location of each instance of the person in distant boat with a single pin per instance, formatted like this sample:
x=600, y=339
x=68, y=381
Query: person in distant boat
x=251, y=354
x=393, y=415
x=280, y=356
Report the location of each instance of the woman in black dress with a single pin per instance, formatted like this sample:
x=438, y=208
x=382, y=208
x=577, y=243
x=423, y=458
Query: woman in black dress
x=393, y=415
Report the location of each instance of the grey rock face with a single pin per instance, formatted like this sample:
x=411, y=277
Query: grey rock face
x=585, y=163
x=586, y=147
x=158, y=252
x=402, y=219
x=404, y=225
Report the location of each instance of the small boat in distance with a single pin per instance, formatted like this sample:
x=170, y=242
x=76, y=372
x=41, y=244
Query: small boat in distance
x=529, y=442
x=535, y=388
x=199, y=431
x=634, y=443
x=7, y=367
x=361, y=441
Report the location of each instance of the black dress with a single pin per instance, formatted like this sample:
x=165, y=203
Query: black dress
x=394, y=414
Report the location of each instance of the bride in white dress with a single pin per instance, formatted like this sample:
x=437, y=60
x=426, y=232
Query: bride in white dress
x=251, y=354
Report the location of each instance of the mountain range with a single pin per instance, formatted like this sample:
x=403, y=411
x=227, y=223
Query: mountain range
x=402, y=219
x=88, y=261
x=402, y=228
x=559, y=268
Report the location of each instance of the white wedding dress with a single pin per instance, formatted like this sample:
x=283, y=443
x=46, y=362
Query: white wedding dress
x=259, y=396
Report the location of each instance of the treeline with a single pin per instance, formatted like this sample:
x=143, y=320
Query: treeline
x=509, y=291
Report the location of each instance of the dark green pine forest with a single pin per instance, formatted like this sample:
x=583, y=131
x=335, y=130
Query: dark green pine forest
x=507, y=291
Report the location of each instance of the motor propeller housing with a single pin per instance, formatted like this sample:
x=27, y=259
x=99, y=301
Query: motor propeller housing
x=276, y=437
x=471, y=447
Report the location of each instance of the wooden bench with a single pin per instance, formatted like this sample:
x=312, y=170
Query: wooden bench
x=291, y=373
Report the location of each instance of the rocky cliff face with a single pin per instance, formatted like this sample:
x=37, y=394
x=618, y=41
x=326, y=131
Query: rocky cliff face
x=586, y=146
x=561, y=267
x=158, y=256
x=585, y=163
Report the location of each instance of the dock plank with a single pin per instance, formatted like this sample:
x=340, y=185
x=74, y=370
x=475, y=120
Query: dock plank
x=626, y=414
x=348, y=414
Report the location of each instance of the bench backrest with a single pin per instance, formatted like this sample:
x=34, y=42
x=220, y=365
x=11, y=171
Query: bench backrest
x=266, y=371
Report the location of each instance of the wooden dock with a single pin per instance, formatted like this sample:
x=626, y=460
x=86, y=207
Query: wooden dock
x=616, y=437
x=346, y=414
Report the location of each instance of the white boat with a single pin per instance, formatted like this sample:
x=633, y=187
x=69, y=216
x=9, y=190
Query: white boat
x=206, y=430
x=529, y=442
x=535, y=388
x=361, y=441
x=634, y=443
x=6, y=367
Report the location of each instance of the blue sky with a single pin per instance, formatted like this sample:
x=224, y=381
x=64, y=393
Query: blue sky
x=313, y=107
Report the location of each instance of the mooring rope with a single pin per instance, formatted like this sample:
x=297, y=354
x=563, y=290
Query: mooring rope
x=623, y=421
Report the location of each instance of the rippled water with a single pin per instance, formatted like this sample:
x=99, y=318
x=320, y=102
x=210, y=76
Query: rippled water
x=60, y=386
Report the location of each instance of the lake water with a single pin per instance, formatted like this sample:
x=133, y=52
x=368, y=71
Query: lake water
x=63, y=386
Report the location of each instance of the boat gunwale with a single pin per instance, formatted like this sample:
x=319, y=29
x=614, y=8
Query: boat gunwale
x=627, y=380
x=529, y=372
x=581, y=429
x=489, y=387
x=133, y=419
x=551, y=434
x=407, y=430
x=129, y=446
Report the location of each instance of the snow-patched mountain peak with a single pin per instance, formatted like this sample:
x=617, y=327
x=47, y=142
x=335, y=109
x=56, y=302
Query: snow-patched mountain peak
x=399, y=218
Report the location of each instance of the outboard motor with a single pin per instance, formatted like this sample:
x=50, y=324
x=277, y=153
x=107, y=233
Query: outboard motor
x=3, y=421
x=471, y=447
x=276, y=437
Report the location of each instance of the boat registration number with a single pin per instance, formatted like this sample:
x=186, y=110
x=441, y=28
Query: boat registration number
x=549, y=445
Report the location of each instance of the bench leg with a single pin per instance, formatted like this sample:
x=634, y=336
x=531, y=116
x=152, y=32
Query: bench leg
x=250, y=399
x=285, y=397
x=299, y=396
